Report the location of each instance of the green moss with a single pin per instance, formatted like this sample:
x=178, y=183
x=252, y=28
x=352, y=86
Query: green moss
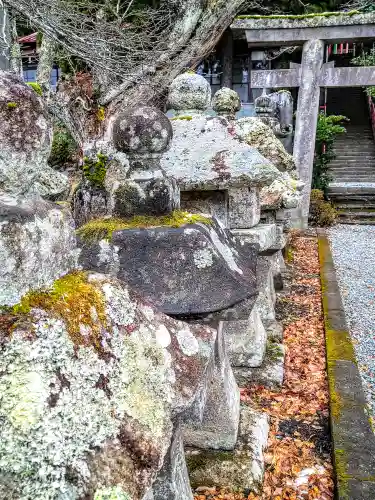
x=100, y=229
x=100, y=114
x=184, y=117
x=36, y=87
x=76, y=301
x=64, y=147
x=95, y=170
x=301, y=16
x=200, y=460
x=289, y=254
x=274, y=351
x=12, y=105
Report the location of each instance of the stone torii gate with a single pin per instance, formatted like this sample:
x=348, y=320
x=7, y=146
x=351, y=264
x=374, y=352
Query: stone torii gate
x=312, y=32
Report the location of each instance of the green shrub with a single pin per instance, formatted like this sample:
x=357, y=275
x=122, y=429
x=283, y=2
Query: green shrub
x=64, y=148
x=322, y=213
x=328, y=128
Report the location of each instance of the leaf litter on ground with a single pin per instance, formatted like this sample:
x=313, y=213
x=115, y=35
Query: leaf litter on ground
x=298, y=456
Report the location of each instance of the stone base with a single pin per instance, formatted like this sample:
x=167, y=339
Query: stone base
x=172, y=482
x=246, y=341
x=263, y=234
x=240, y=469
x=277, y=264
x=270, y=374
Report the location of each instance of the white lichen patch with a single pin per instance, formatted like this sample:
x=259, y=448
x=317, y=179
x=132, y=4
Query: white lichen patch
x=114, y=493
x=203, y=258
x=163, y=337
x=188, y=343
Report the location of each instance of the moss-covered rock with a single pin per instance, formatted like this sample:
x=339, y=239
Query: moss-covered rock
x=99, y=229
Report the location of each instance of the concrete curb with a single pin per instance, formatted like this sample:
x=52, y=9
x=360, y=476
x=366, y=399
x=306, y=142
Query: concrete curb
x=352, y=435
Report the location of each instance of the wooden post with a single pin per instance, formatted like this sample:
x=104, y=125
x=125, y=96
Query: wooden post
x=228, y=59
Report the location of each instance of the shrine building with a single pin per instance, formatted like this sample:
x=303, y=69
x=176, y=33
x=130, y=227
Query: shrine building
x=312, y=57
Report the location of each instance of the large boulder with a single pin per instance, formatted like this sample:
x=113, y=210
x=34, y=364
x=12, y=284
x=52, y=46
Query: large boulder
x=26, y=140
x=258, y=135
x=37, y=245
x=91, y=378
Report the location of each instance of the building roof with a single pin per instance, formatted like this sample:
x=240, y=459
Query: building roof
x=28, y=38
x=324, y=19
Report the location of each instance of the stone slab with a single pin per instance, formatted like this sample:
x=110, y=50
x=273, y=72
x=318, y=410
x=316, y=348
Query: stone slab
x=213, y=421
x=241, y=469
x=266, y=235
x=246, y=341
x=243, y=207
x=270, y=373
x=173, y=482
x=171, y=266
x=352, y=435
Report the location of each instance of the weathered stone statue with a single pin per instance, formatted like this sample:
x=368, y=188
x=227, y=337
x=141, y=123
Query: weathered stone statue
x=276, y=111
x=92, y=378
x=30, y=225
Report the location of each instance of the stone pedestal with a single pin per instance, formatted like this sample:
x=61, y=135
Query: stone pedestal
x=239, y=470
x=246, y=340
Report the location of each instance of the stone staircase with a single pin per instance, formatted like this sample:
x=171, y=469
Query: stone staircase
x=352, y=189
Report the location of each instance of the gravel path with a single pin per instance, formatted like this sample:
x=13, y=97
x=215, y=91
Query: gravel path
x=353, y=249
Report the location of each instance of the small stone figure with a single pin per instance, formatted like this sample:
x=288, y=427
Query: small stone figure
x=144, y=133
x=226, y=102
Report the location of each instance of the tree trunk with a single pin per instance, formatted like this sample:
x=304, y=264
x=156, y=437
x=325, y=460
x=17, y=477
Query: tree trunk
x=228, y=60
x=15, y=50
x=47, y=54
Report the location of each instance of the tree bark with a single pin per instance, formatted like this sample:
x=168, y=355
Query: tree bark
x=15, y=50
x=228, y=60
x=47, y=54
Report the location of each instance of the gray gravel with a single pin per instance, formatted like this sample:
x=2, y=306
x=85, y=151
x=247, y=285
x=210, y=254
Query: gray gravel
x=353, y=249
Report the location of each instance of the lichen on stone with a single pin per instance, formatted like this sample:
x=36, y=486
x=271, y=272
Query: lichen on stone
x=73, y=299
x=182, y=117
x=114, y=493
x=62, y=403
x=100, y=229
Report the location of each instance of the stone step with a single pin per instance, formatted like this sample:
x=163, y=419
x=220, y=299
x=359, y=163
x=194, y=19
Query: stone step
x=353, y=155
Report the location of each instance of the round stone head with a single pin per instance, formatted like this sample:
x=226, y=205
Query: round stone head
x=226, y=102
x=189, y=91
x=265, y=105
x=142, y=130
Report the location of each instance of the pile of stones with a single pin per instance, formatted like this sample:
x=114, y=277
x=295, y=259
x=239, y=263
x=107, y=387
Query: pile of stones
x=128, y=319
